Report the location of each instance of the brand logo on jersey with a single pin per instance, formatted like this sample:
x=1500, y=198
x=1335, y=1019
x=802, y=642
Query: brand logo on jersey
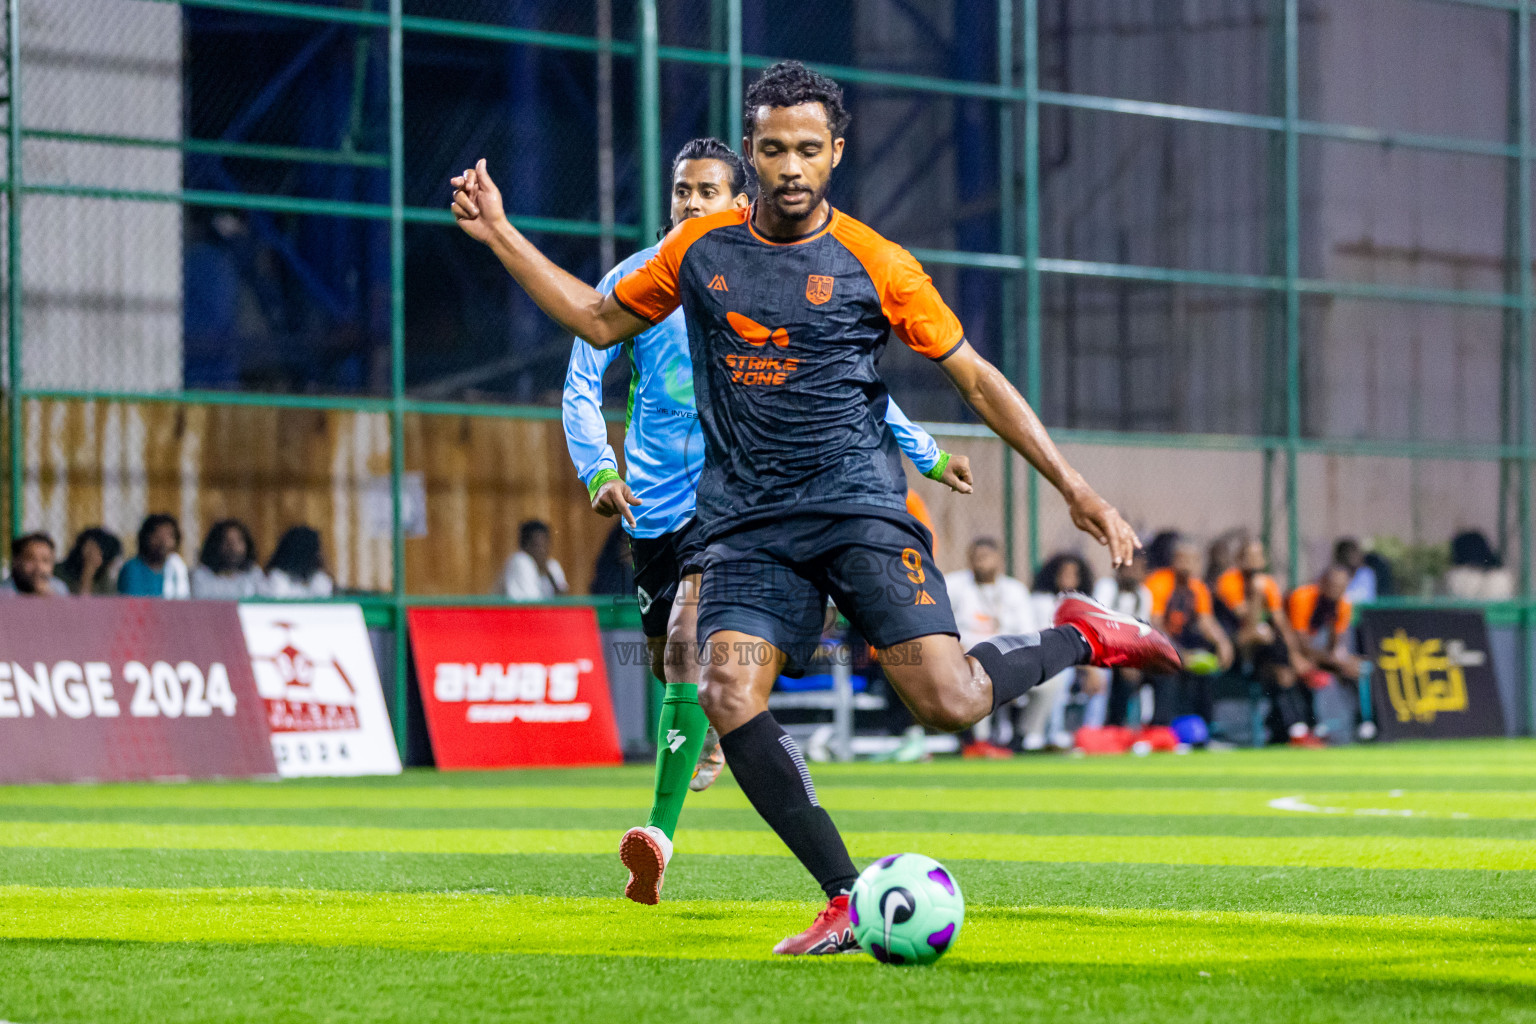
x=818, y=289
x=924, y=598
x=760, y=369
x=717, y=283
x=754, y=333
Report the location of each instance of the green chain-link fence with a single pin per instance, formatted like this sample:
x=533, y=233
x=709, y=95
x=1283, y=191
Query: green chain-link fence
x=1259, y=263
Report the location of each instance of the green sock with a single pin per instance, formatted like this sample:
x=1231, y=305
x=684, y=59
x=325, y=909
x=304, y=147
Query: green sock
x=679, y=738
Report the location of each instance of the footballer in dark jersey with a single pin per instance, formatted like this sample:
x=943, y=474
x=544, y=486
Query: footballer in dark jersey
x=789, y=304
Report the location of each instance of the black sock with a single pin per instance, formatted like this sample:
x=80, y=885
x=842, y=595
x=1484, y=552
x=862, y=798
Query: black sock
x=768, y=767
x=1022, y=661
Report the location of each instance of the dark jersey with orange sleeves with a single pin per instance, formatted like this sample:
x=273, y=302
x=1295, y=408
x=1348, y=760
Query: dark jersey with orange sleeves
x=1179, y=604
x=785, y=337
x=1311, y=612
x=1232, y=587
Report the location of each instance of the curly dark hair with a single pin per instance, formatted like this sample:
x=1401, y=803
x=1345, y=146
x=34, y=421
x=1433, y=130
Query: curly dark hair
x=789, y=84
x=707, y=148
x=298, y=554
x=213, y=558
x=1048, y=578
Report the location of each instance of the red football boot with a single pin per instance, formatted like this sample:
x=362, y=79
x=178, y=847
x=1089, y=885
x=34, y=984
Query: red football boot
x=1117, y=641
x=831, y=932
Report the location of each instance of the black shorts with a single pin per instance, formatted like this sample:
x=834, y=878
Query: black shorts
x=660, y=563
x=772, y=581
x=1275, y=653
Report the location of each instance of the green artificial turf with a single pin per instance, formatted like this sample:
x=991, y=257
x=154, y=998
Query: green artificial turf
x=1392, y=883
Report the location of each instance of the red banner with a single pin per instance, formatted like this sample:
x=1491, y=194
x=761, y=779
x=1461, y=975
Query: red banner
x=122, y=688
x=514, y=687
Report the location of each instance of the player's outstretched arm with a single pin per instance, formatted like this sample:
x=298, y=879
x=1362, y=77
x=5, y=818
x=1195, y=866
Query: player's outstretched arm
x=1002, y=408
x=575, y=305
x=954, y=471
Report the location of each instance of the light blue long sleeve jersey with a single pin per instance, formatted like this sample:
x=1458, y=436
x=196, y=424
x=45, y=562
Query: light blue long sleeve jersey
x=663, y=446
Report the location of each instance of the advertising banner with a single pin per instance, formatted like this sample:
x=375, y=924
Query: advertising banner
x=320, y=689
x=123, y=688
x=514, y=687
x=1433, y=677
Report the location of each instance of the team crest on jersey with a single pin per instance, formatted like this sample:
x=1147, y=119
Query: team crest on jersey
x=818, y=289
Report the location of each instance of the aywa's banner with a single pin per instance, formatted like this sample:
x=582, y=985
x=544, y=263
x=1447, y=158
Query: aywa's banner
x=1433, y=676
x=514, y=687
x=320, y=689
x=126, y=688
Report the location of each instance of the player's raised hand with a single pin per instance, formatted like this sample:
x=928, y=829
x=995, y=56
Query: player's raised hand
x=1101, y=521
x=614, y=499
x=957, y=474
x=477, y=203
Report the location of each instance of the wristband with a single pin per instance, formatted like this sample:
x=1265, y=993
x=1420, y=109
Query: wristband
x=600, y=478
x=938, y=467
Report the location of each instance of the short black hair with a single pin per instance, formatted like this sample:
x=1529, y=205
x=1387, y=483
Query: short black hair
x=154, y=522
x=986, y=542
x=789, y=84
x=20, y=544
x=708, y=148
x=526, y=531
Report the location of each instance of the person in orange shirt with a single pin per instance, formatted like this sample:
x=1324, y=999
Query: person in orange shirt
x=1267, y=645
x=1182, y=609
x=1320, y=614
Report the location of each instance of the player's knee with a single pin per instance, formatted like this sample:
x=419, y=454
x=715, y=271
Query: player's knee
x=725, y=701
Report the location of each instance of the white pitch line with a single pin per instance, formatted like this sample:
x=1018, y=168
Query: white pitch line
x=1296, y=803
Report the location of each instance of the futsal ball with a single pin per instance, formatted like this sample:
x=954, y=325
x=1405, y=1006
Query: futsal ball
x=906, y=909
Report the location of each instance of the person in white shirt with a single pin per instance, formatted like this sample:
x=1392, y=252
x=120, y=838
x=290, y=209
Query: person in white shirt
x=227, y=568
x=1043, y=722
x=1127, y=593
x=296, y=568
x=988, y=603
x=532, y=574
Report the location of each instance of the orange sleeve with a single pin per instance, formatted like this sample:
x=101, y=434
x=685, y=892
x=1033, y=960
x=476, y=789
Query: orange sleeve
x=919, y=511
x=917, y=314
x=1159, y=585
x=1229, y=587
x=1272, y=594
x=651, y=291
x=1203, y=605
x=1302, y=604
x=1346, y=614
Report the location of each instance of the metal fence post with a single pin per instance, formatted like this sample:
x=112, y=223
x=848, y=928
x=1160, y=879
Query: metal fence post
x=13, y=409
x=733, y=99
x=1521, y=55
x=397, y=357
x=1032, y=323
x=648, y=68
x=1007, y=168
x=1292, y=293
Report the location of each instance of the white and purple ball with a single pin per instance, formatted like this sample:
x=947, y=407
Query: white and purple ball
x=906, y=909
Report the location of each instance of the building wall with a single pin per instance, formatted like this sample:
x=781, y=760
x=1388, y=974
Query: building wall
x=102, y=280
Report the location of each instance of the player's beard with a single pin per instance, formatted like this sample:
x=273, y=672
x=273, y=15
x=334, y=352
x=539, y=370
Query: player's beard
x=817, y=196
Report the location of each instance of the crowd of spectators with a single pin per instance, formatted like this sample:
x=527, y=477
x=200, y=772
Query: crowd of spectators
x=1224, y=611
x=227, y=566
